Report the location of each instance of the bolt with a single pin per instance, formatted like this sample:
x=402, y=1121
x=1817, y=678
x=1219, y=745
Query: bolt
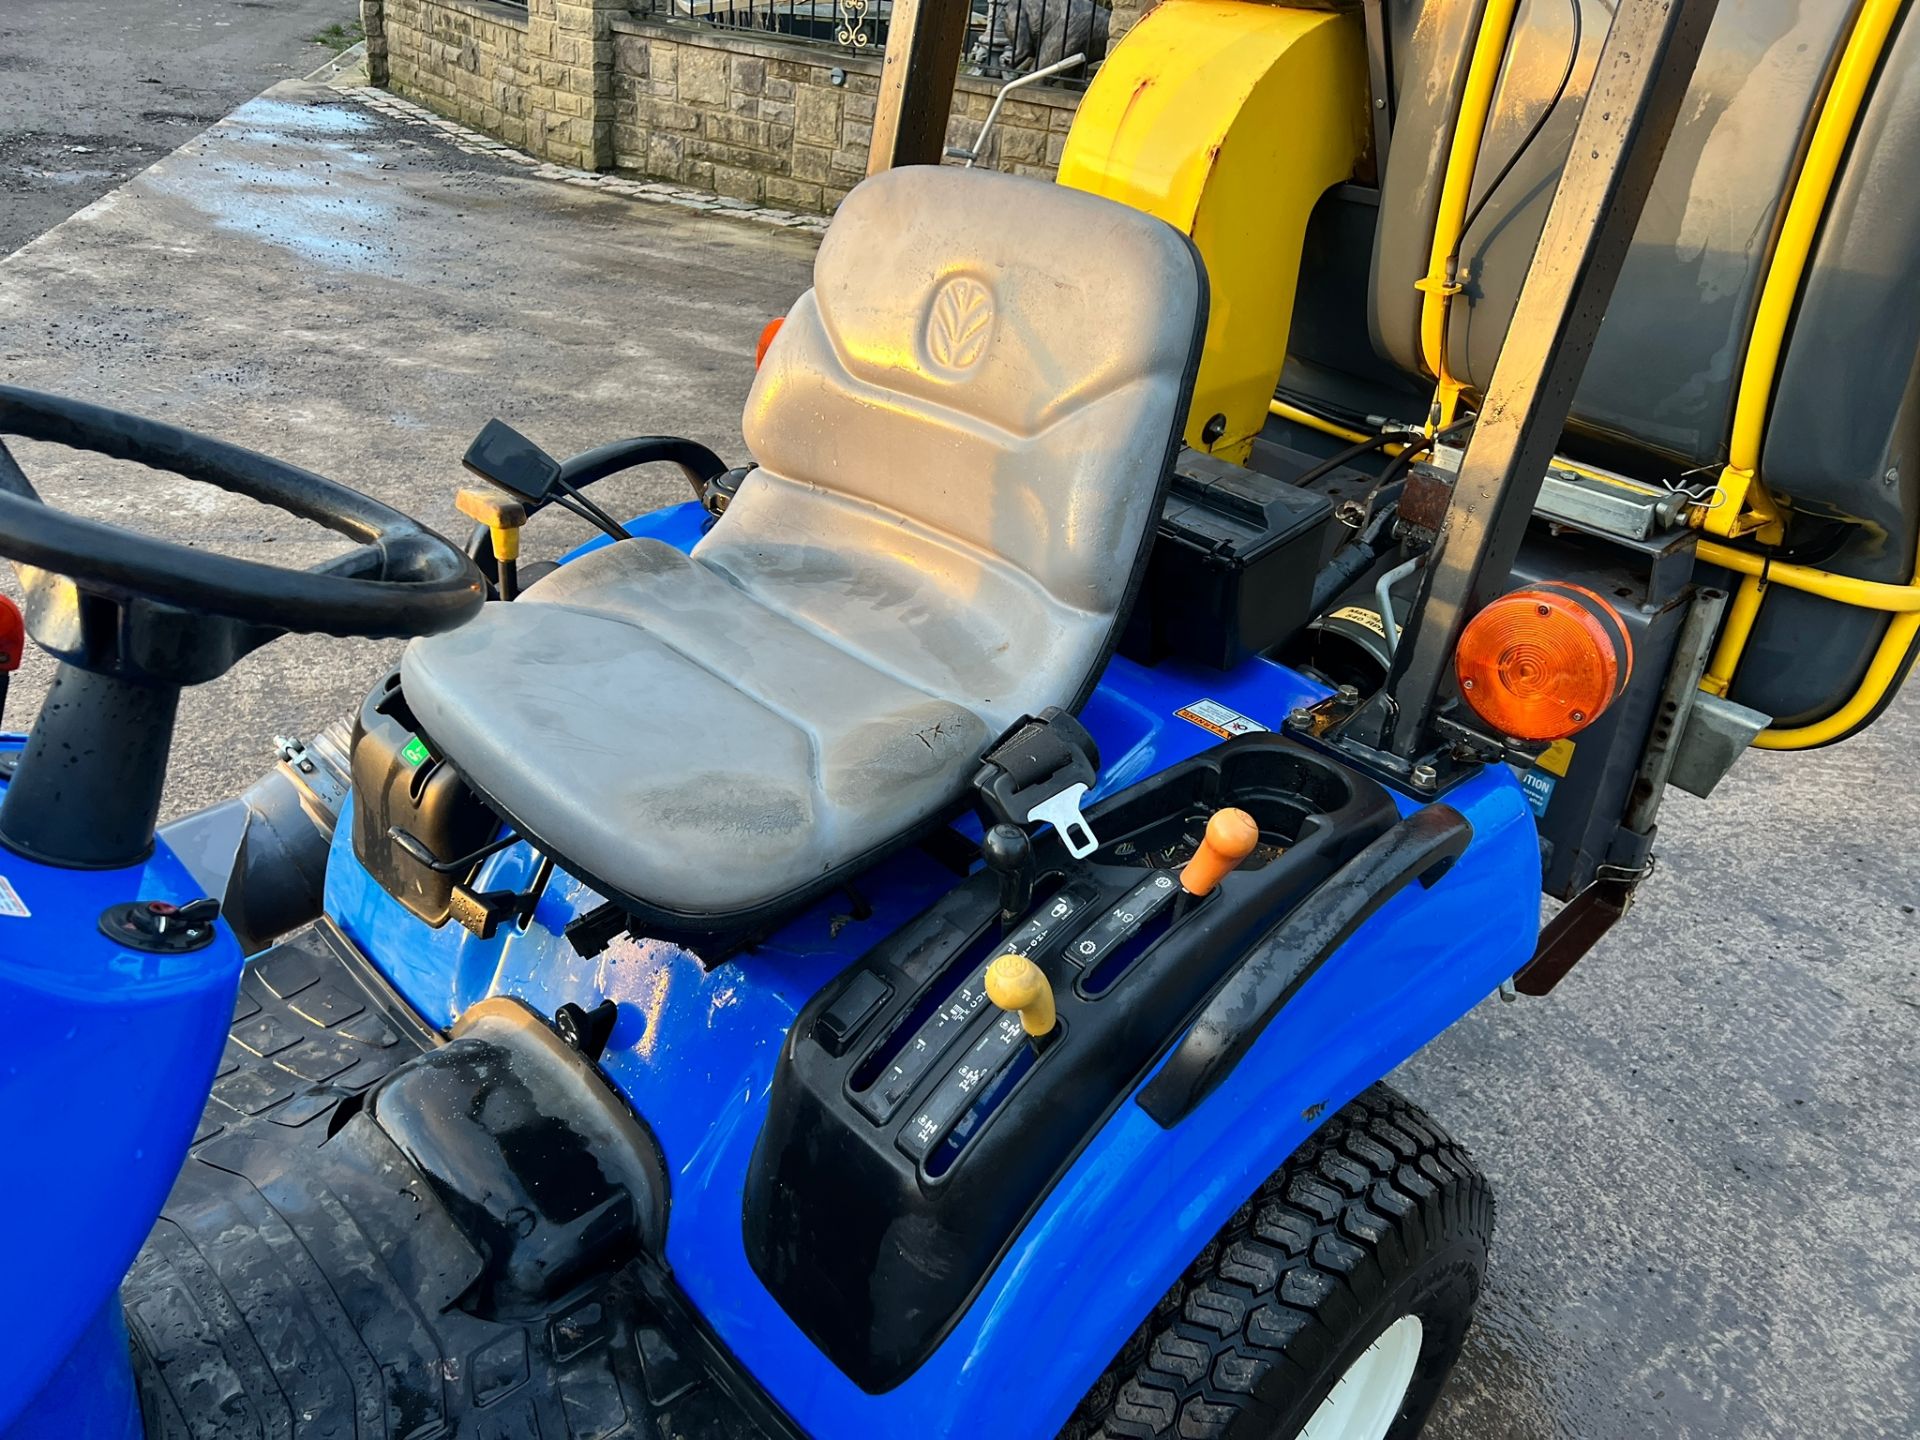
x=1300, y=718
x=1578, y=716
x=1380, y=104
x=1892, y=477
x=1347, y=695
x=1425, y=777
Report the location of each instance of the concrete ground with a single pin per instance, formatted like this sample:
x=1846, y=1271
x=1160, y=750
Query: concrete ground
x=355, y=296
x=95, y=90
x=1704, y=1143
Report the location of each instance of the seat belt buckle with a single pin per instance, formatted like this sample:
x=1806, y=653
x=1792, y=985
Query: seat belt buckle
x=1039, y=771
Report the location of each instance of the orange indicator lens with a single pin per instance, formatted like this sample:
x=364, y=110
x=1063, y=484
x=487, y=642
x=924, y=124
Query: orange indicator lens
x=771, y=329
x=1544, y=662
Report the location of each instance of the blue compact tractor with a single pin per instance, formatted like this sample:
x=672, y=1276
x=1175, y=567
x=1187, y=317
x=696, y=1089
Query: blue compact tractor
x=907, y=942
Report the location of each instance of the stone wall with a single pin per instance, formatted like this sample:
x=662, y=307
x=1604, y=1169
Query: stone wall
x=538, y=77
x=585, y=83
x=784, y=123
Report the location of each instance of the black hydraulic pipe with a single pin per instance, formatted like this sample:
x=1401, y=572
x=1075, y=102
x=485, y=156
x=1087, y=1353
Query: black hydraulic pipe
x=694, y=460
x=1338, y=575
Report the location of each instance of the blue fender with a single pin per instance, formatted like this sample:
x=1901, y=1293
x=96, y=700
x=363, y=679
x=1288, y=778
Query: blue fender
x=90, y=1395
x=108, y=1057
x=694, y=1052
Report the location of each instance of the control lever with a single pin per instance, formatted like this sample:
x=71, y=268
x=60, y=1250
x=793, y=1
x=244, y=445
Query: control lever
x=1015, y=983
x=1009, y=854
x=1231, y=836
x=503, y=519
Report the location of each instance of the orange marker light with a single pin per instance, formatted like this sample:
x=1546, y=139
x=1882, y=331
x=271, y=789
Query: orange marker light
x=1231, y=837
x=771, y=329
x=1544, y=662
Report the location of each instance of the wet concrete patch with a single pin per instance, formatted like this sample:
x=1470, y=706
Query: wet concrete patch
x=278, y=172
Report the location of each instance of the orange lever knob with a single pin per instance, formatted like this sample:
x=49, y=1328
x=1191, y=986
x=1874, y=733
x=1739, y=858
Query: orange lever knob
x=1230, y=838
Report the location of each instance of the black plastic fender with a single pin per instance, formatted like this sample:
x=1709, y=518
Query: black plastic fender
x=1421, y=847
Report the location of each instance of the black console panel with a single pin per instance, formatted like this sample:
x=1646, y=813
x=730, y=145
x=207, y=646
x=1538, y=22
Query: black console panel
x=913, y=1126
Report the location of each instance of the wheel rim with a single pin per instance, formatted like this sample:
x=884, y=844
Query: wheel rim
x=1365, y=1401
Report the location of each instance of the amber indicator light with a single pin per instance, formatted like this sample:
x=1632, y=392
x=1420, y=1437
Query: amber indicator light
x=771, y=329
x=1544, y=662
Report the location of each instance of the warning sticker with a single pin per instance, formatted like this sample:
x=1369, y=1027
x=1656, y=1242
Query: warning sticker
x=415, y=752
x=1556, y=758
x=1212, y=715
x=10, y=901
x=1359, y=616
x=1538, y=788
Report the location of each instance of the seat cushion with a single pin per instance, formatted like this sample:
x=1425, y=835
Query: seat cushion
x=963, y=435
x=683, y=743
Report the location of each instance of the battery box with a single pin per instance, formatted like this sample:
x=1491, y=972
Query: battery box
x=1232, y=568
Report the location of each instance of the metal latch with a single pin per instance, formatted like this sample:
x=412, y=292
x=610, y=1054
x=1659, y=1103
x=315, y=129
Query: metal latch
x=1039, y=771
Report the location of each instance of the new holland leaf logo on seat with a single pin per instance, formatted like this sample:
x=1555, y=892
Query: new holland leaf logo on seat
x=959, y=322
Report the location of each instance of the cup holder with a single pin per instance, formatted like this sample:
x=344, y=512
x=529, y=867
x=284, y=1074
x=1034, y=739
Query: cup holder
x=1285, y=787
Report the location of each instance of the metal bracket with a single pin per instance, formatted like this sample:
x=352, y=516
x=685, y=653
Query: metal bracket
x=1330, y=724
x=1566, y=938
x=1678, y=696
x=1379, y=84
x=1625, y=511
x=1718, y=732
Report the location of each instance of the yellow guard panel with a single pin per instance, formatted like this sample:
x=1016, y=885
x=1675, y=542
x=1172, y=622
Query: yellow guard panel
x=1229, y=120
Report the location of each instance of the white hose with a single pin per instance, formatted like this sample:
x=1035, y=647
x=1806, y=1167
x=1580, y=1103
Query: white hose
x=1383, y=595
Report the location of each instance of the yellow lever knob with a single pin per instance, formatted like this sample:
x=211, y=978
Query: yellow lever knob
x=1015, y=983
x=1230, y=838
x=501, y=515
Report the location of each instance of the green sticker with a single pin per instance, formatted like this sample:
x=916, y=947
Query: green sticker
x=415, y=753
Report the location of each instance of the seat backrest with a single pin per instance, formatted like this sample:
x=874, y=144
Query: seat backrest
x=964, y=431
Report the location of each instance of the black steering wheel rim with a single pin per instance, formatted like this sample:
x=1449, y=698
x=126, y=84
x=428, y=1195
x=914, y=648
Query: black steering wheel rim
x=402, y=580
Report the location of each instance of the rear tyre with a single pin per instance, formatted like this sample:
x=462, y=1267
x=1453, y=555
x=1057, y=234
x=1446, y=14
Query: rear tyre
x=1331, y=1307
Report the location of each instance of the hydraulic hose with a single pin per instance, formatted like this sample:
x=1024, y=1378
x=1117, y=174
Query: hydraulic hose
x=1340, y=573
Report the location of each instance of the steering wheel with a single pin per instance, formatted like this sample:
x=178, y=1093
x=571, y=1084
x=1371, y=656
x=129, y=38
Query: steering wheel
x=109, y=601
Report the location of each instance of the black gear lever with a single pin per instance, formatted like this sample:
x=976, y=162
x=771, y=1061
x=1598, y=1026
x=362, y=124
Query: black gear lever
x=1009, y=854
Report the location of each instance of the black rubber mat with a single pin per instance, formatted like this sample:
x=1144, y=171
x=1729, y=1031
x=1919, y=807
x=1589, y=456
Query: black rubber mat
x=304, y=1280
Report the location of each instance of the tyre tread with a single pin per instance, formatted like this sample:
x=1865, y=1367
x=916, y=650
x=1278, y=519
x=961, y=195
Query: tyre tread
x=1266, y=1304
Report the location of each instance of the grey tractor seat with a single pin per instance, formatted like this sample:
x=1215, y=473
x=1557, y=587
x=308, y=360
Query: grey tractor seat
x=963, y=435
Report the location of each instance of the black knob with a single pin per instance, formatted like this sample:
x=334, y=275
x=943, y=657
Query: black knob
x=160, y=927
x=1009, y=854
